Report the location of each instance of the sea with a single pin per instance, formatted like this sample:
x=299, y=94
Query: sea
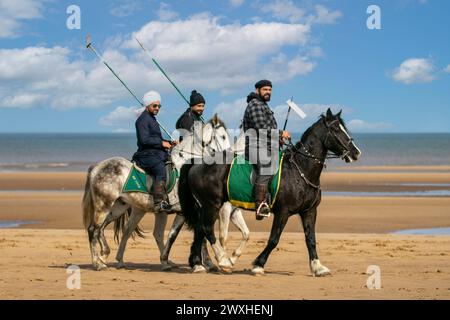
x=77, y=151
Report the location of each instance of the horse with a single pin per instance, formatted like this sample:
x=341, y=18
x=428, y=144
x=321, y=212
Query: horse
x=104, y=201
x=299, y=192
x=227, y=213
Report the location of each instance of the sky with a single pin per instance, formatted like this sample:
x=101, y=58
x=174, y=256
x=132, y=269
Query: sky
x=393, y=78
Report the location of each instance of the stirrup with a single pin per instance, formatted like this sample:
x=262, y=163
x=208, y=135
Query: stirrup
x=258, y=210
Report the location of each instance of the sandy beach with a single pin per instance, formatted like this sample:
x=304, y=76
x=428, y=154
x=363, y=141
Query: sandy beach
x=353, y=233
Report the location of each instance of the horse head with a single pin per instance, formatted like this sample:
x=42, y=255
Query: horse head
x=336, y=137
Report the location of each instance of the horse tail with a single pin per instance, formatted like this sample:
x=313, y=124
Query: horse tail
x=88, y=203
x=189, y=205
x=120, y=226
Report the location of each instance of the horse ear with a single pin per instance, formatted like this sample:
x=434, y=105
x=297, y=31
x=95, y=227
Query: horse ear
x=339, y=113
x=215, y=119
x=329, y=114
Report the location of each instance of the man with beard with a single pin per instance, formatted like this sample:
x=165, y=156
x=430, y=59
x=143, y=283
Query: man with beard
x=185, y=123
x=262, y=137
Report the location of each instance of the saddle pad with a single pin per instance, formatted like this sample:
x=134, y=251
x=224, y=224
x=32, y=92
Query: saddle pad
x=139, y=181
x=240, y=184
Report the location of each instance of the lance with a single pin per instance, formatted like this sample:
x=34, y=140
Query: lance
x=165, y=74
x=90, y=46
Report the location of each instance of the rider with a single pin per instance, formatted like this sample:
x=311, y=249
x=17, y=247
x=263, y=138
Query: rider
x=186, y=121
x=260, y=126
x=152, y=150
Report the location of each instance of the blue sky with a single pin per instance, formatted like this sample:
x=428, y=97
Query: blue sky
x=395, y=79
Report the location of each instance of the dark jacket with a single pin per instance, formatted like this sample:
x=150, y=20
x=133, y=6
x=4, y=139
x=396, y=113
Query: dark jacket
x=149, y=141
x=186, y=121
x=258, y=116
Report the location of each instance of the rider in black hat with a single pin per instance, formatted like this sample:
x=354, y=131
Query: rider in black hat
x=262, y=135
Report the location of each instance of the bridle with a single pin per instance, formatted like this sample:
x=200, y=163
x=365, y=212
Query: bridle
x=305, y=152
x=204, y=145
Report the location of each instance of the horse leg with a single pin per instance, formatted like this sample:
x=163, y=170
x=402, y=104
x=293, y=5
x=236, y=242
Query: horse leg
x=93, y=245
x=206, y=259
x=195, y=257
x=309, y=223
x=238, y=220
x=224, y=223
x=119, y=208
x=177, y=224
x=158, y=230
x=278, y=224
x=135, y=218
x=221, y=256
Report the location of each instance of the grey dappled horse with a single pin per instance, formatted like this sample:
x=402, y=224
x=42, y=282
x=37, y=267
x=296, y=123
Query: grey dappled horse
x=104, y=201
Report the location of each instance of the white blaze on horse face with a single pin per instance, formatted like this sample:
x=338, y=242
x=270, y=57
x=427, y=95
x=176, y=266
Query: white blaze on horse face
x=345, y=131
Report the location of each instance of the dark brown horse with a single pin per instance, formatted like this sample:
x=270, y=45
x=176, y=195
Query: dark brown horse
x=203, y=191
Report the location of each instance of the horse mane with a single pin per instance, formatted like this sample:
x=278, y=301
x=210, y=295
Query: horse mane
x=218, y=120
x=323, y=118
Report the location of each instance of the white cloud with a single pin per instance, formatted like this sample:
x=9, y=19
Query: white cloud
x=231, y=113
x=198, y=52
x=414, y=71
x=125, y=8
x=284, y=9
x=209, y=55
x=122, y=117
x=447, y=69
x=361, y=125
x=288, y=10
x=237, y=3
x=325, y=16
x=12, y=13
x=165, y=14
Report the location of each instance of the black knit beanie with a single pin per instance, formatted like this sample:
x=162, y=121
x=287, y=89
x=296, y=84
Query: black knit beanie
x=196, y=98
x=263, y=83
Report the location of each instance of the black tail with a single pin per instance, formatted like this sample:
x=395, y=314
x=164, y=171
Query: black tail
x=120, y=224
x=189, y=205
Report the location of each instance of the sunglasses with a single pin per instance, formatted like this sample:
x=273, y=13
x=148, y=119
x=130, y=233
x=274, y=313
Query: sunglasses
x=155, y=106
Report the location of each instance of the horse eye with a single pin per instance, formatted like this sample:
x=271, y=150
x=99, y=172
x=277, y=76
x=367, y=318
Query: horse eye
x=223, y=137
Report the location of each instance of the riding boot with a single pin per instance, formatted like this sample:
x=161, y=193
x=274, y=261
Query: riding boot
x=261, y=206
x=160, y=203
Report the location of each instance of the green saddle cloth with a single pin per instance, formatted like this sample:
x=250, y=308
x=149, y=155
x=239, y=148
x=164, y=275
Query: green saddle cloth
x=137, y=180
x=240, y=185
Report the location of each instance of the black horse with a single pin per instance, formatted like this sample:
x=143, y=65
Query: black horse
x=203, y=190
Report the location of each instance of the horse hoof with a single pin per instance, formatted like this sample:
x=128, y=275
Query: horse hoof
x=101, y=266
x=226, y=270
x=322, y=273
x=166, y=267
x=199, y=269
x=212, y=268
x=173, y=264
x=120, y=265
x=258, y=271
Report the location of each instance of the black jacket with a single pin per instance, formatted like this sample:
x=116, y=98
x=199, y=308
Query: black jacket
x=149, y=141
x=186, y=121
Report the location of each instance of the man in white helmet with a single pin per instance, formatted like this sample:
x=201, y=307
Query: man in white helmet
x=152, y=148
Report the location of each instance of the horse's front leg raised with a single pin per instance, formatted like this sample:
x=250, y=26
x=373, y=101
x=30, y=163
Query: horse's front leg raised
x=279, y=221
x=309, y=224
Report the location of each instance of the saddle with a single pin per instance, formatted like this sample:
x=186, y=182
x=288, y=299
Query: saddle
x=139, y=181
x=241, y=180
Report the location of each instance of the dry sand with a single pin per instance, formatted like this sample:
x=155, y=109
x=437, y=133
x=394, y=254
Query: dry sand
x=352, y=236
